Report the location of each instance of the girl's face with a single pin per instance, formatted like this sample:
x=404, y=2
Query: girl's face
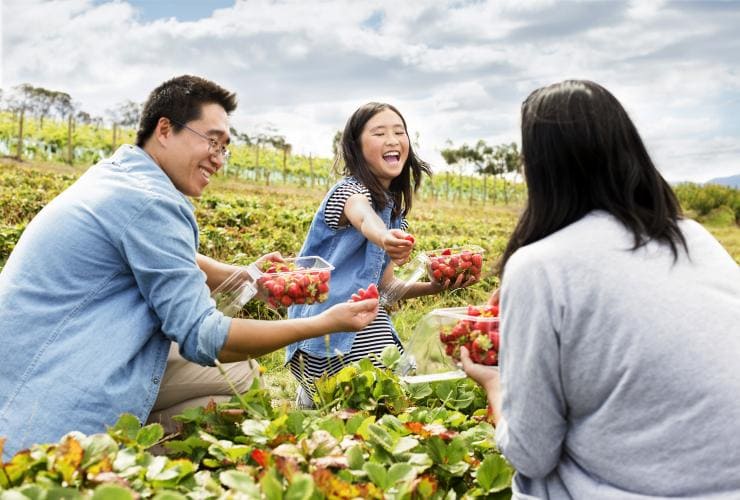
x=385, y=146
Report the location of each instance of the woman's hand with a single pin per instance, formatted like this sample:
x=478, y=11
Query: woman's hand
x=397, y=245
x=487, y=377
x=351, y=316
x=494, y=299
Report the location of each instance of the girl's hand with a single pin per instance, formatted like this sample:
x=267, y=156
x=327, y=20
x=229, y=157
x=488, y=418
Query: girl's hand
x=351, y=316
x=397, y=246
x=458, y=283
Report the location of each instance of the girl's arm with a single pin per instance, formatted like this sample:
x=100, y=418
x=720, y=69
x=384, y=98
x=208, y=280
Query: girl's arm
x=361, y=215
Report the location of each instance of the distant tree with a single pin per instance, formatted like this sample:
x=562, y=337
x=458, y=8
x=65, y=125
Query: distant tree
x=336, y=143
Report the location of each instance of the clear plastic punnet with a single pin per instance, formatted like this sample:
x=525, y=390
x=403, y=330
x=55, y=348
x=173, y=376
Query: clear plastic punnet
x=433, y=351
x=449, y=263
x=405, y=276
x=299, y=280
x=236, y=290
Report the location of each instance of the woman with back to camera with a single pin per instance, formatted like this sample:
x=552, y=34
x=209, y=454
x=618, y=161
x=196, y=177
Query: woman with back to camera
x=620, y=320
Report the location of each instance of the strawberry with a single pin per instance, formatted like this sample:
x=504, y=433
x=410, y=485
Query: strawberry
x=409, y=238
x=362, y=294
x=478, y=332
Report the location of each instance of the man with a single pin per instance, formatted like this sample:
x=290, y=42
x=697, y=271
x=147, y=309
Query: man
x=107, y=275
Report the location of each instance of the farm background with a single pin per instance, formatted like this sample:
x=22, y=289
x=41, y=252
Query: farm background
x=247, y=212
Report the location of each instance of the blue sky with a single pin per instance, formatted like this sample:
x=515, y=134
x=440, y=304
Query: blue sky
x=182, y=10
x=457, y=70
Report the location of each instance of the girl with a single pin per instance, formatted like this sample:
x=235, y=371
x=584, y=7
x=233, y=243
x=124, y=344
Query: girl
x=360, y=227
x=620, y=333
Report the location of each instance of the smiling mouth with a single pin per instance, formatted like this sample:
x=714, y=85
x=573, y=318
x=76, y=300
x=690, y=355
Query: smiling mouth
x=205, y=173
x=392, y=157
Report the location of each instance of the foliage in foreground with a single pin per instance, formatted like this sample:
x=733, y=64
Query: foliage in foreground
x=375, y=437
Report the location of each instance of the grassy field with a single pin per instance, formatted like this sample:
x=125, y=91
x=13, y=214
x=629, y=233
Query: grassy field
x=240, y=221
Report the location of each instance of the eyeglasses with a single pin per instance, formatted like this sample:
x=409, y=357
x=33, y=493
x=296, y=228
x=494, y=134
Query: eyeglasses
x=213, y=146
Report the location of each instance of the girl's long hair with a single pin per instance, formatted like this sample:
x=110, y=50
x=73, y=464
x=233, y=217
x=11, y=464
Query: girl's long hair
x=582, y=152
x=351, y=162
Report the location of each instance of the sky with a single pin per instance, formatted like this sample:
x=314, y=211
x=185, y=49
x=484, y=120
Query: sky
x=457, y=70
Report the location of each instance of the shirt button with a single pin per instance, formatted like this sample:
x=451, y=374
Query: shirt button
x=155, y=380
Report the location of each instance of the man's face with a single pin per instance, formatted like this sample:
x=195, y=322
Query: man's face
x=190, y=159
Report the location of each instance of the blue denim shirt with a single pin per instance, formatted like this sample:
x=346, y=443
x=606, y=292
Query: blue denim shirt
x=357, y=263
x=100, y=282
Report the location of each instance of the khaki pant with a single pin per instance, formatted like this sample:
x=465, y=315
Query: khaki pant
x=186, y=385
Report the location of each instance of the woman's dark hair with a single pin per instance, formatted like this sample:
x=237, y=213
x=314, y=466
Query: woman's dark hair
x=181, y=99
x=581, y=152
x=351, y=161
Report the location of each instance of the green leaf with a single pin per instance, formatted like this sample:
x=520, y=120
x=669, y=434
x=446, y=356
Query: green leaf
x=390, y=356
x=169, y=495
x=149, y=435
x=494, y=474
x=241, y=482
x=364, y=429
x=456, y=450
x=59, y=493
x=380, y=436
x=399, y=472
x=272, y=487
x=405, y=444
x=355, y=458
x=437, y=450
x=354, y=423
x=126, y=428
x=112, y=492
x=97, y=447
x=377, y=474
x=301, y=487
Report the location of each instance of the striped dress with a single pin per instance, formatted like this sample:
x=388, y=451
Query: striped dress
x=368, y=343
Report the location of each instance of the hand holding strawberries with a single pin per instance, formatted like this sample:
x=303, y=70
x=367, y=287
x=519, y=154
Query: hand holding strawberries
x=398, y=244
x=477, y=332
x=352, y=316
x=362, y=294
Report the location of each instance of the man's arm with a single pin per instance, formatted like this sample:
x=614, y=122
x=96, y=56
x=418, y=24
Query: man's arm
x=252, y=338
x=216, y=272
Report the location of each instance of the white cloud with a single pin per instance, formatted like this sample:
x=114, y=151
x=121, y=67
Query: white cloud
x=458, y=70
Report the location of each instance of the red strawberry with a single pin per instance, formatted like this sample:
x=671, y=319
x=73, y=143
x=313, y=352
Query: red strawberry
x=409, y=238
x=372, y=292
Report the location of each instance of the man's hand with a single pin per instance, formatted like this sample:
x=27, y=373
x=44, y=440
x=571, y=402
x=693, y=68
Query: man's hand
x=270, y=257
x=351, y=316
x=397, y=245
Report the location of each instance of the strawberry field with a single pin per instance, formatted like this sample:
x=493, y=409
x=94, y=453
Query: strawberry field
x=373, y=436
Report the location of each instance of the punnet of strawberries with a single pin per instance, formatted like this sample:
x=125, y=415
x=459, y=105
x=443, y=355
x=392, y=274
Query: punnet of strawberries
x=303, y=280
x=477, y=331
x=449, y=263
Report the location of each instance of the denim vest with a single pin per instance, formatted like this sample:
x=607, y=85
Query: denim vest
x=357, y=263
